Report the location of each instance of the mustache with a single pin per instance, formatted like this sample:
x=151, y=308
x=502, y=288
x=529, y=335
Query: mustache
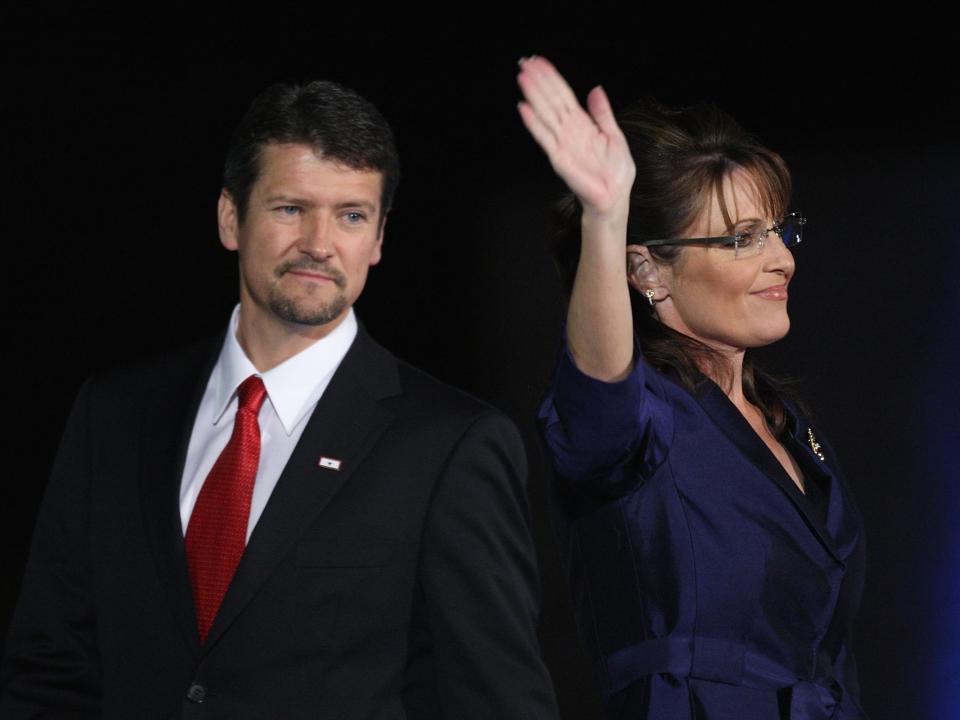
x=307, y=265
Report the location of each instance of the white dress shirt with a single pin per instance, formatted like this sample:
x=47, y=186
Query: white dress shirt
x=293, y=389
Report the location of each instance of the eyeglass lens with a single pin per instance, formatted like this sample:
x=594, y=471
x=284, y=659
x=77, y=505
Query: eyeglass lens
x=791, y=231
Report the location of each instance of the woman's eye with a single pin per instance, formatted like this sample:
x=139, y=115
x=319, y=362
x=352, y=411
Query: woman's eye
x=749, y=235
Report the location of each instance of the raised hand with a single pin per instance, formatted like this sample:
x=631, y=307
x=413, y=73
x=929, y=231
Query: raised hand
x=587, y=150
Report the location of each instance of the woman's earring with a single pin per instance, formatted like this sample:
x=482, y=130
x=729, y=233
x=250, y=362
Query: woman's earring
x=649, y=293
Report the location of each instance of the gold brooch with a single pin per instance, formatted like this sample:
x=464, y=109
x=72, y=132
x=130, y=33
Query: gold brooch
x=814, y=445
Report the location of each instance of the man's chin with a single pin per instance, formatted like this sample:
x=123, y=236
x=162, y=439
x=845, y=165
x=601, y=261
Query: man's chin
x=299, y=313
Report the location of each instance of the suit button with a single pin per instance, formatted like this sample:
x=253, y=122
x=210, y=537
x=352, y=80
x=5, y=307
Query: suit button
x=197, y=693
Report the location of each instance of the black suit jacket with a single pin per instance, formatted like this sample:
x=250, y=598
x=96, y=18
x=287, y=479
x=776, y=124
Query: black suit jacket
x=401, y=585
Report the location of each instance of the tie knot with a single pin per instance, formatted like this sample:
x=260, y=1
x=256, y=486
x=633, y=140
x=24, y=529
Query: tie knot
x=251, y=394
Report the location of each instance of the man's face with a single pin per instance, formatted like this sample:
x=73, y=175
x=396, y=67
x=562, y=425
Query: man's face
x=311, y=232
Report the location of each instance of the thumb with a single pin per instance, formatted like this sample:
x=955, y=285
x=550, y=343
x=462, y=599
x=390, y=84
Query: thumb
x=599, y=106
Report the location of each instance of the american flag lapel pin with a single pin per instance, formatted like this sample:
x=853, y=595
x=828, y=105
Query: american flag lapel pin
x=328, y=462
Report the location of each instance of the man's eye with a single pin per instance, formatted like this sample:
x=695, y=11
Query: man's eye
x=288, y=210
x=354, y=217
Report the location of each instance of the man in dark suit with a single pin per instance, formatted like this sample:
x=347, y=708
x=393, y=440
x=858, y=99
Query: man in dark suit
x=286, y=521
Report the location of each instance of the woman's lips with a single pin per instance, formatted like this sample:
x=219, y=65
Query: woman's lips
x=774, y=292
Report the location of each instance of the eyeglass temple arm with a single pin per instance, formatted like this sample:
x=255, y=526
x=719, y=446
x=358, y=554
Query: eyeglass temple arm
x=691, y=241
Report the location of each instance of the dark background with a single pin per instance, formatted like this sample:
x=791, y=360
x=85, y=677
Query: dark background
x=116, y=128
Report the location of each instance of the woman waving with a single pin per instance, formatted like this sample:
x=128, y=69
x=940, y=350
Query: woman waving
x=714, y=551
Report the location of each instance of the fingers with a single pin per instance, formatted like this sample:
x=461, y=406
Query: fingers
x=541, y=133
x=599, y=106
x=554, y=83
x=539, y=100
x=548, y=94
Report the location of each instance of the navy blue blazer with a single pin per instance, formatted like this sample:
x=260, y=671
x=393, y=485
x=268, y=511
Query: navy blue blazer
x=706, y=585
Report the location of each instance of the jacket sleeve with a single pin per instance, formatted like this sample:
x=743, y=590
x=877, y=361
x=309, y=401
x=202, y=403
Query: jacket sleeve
x=51, y=665
x=478, y=580
x=603, y=438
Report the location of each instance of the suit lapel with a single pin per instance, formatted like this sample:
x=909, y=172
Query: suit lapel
x=732, y=423
x=164, y=436
x=343, y=427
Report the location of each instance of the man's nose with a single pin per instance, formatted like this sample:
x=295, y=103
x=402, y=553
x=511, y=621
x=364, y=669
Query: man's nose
x=315, y=237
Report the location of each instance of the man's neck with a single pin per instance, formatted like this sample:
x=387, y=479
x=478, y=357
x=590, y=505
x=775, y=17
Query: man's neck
x=268, y=342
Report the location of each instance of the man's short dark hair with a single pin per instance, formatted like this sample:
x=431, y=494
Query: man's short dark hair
x=336, y=122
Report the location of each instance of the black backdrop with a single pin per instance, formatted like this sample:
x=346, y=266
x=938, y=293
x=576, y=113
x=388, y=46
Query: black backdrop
x=116, y=128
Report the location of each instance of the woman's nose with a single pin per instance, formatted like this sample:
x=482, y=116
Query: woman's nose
x=777, y=256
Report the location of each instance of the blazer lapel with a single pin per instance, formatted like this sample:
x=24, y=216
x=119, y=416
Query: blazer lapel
x=343, y=427
x=165, y=434
x=732, y=423
x=842, y=522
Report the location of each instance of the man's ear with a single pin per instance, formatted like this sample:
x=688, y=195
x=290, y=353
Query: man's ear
x=228, y=221
x=644, y=273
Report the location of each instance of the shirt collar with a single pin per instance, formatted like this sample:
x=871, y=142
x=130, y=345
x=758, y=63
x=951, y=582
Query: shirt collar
x=295, y=385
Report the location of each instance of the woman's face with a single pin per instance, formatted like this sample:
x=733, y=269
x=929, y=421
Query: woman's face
x=729, y=303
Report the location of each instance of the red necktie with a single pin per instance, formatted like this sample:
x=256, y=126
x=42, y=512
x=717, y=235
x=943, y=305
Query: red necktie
x=217, y=531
